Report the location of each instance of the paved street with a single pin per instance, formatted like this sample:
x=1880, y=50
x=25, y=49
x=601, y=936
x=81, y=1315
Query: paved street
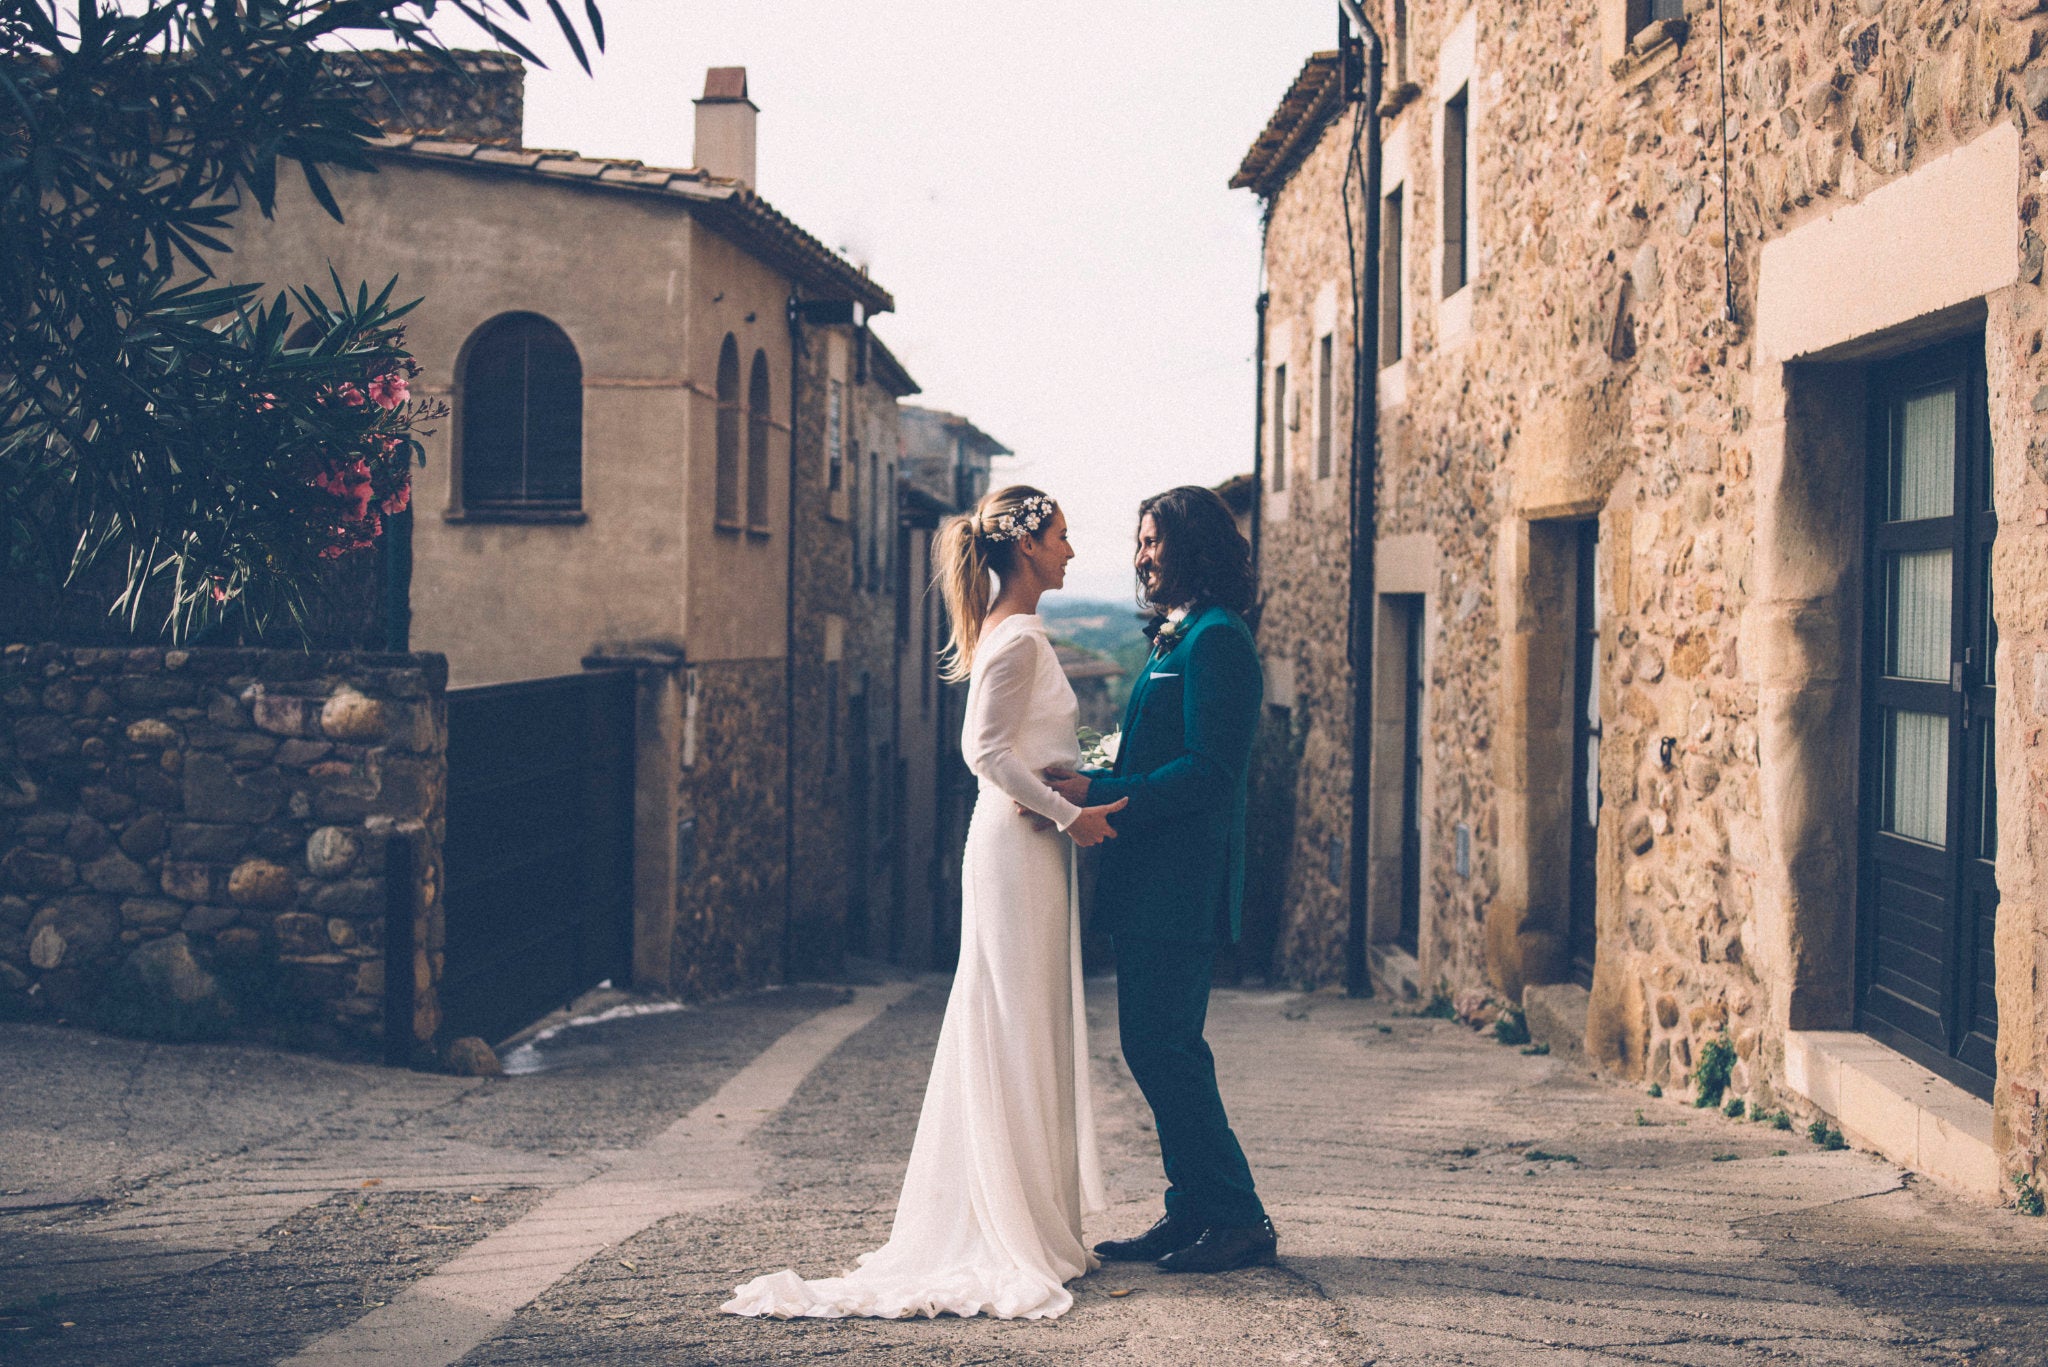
x=1442, y=1199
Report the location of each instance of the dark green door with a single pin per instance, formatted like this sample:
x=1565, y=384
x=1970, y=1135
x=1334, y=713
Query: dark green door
x=1583, y=928
x=1929, y=882
x=1409, y=934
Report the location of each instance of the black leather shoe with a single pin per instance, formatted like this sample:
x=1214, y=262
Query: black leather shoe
x=1168, y=1236
x=1225, y=1249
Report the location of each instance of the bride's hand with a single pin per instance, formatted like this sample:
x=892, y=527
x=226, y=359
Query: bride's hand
x=1038, y=823
x=1092, y=826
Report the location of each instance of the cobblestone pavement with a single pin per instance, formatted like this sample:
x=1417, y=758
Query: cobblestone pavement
x=1441, y=1199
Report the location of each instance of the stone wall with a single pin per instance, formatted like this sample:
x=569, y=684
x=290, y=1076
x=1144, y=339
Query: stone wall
x=1589, y=370
x=824, y=569
x=195, y=839
x=730, y=904
x=404, y=92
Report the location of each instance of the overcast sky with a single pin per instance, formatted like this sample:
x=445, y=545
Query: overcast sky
x=1041, y=187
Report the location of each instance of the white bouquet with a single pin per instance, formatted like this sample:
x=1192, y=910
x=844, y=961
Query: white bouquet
x=1097, y=750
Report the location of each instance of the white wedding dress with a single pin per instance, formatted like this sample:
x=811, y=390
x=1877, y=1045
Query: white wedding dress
x=1004, y=1164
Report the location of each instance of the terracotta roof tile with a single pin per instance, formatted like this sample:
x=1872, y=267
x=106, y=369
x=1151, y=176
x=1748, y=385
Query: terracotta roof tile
x=500, y=156
x=1309, y=104
x=571, y=166
x=727, y=206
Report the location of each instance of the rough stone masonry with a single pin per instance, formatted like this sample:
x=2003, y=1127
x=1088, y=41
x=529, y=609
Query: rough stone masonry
x=1586, y=368
x=195, y=839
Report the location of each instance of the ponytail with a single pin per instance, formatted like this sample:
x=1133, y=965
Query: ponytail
x=962, y=579
x=969, y=549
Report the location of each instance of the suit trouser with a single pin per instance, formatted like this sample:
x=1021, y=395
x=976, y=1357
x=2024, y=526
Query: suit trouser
x=1162, y=1002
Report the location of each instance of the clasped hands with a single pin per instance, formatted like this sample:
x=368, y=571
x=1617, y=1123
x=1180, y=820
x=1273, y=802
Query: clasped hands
x=1092, y=826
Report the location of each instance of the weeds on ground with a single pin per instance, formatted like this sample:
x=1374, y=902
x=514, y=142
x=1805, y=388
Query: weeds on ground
x=1545, y=1156
x=1825, y=1135
x=1710, y=1075
x=1440, y=1006
x=2027, y=1198
x=1734, y=1109
x=1726, y=1157
x=1511, y=1026
x=1537, y=1049
x=1656, y=1089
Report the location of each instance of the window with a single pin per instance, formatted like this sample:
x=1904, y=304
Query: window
x=522, y=416
x=1326, y=402
x=1457, y=130
x=757, y=446
x=1397, y=67
x=835, y=437
x=728, y=502
x=1643, y=13
x=1393, y=270
x=900, y=573
x=1279, y=429
x=874, y=521
x=831, y=716
x=891, y=542
x=926, y=661
x=853, y=463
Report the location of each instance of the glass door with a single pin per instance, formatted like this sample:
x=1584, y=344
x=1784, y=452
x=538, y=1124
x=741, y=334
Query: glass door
x=1929, y=881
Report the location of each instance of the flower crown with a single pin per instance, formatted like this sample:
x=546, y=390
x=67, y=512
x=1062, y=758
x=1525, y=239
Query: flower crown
x=1019, y=522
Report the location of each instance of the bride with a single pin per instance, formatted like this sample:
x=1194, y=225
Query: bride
x=1004, y=1164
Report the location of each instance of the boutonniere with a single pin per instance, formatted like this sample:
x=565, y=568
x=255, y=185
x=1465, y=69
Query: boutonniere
x=1169, y=633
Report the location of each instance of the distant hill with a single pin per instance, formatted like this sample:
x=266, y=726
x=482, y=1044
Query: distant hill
x=1111, y=627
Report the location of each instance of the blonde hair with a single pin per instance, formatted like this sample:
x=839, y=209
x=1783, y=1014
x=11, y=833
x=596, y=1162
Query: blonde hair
x=968, y=550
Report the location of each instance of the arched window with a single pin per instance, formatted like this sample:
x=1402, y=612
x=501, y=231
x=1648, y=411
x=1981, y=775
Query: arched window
x=757, y=445
x=728, y=505
x=522, y=416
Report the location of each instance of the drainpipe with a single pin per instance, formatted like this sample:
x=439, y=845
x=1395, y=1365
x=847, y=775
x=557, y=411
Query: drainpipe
x=1365, y=329
x=1259, y=411
x=796, y=353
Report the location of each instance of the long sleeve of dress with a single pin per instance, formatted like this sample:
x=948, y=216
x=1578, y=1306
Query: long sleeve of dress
x=1008, y=680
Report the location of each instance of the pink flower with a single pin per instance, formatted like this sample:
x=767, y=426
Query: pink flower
x=220, y=591
x=389, y=391
x=398, y=500
x=351, y=395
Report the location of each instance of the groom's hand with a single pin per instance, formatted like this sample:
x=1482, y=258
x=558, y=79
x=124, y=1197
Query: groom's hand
x=1068, y=784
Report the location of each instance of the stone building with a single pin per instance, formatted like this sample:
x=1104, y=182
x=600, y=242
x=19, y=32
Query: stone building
x=877, y=731
x=1701, y=592
x=947, y=456
x=671, y=449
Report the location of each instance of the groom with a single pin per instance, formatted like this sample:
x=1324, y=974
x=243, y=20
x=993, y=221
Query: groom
x=1168, y=889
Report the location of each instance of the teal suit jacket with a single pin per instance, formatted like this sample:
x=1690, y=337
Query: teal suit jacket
x=1175, y=872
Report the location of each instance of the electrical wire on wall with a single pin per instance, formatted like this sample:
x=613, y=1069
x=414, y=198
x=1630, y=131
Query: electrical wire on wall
x=1727, y=190
x=1355, y=170
x=1361, y=87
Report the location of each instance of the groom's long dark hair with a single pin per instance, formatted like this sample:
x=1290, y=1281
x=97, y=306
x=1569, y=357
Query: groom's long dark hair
x=1204, y=558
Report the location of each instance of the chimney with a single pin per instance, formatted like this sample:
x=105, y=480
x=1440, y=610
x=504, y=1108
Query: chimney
x=725, y=126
